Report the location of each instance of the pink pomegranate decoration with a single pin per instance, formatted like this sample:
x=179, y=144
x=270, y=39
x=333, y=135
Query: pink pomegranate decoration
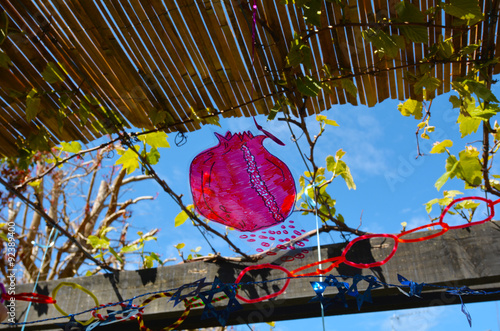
x=240, y=184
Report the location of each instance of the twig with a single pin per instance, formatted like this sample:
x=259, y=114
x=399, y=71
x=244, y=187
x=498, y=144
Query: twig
x=383, y=24
x=52, y=222
x=62, y=161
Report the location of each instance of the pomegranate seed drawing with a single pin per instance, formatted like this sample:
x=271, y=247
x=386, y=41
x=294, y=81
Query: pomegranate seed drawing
x=238, y=183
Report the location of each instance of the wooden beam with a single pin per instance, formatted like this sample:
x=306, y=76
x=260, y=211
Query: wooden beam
x=465, y=257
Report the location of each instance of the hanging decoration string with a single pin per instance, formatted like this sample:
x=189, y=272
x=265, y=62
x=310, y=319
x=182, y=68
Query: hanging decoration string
x=53, y=232
x=315, y=206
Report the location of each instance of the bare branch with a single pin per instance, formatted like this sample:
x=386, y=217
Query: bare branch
x=115, y=189
x=52, y=222
x=132, y=179
x=13, y=211
x=129, y=202
x=150, y=233
x=62, y=161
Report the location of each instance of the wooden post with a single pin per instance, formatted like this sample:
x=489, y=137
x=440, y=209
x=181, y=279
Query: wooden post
x=465, y=257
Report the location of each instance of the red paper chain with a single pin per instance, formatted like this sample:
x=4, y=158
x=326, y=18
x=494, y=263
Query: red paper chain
x=335, y=261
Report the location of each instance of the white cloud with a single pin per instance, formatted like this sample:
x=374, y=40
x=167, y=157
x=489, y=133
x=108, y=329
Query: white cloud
x=359, y=134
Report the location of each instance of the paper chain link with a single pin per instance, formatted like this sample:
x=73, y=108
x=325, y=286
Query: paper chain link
x=173, y=325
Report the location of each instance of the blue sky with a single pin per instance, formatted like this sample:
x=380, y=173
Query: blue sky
x=392, y=187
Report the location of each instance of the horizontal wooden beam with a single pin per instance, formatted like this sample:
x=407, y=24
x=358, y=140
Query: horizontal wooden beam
x=465, y=257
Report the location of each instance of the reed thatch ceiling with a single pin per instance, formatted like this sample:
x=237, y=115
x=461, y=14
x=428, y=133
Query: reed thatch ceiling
x=145, y=59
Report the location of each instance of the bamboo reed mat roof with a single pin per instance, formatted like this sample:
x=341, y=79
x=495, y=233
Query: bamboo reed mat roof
x=141, y=57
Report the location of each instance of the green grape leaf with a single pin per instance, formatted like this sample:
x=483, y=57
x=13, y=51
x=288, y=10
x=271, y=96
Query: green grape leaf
x=428, y=205
x=349, y=86
x=445, y=49
x=451, y=165
x=344, y=171
x=407, y=12
x=180, y=245
x=442, y=180
x=309, y=86
x=5, y=61
x=112, y=250
x=157, y=116
x=331, y=164
x=440, y=147
x=481, y=90
x=97, y=242
x=33, y=104
x=299, y=53
x=65, y=101
x=468, y=124
x=204, y=116
x=469, y=49
x=411, y=107
x=455, y=101
x=470, y=165
x=340, y=153
x=39, y=141
x=153, y=156
x=312, y=12
x=129, y=248
x=71, y=147
x=485, y=114
x=155, y=139
x=324, y=119
x=464, y=9
x=53, y=73
x=385, y=44
x=129, y=160
x=428, y=82
x=183, y=216
x=83, y=112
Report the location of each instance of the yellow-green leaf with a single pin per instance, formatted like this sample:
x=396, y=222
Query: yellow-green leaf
x=345, y=172
x=340, y=153
x=411, y=107
x=129, y=248
x=324, y=119
x=155, y=139
x=183, y=216
x=180, y=246
x=442, y=180
x=331, y=164
x=129, y=160
x=440, y=147
x=468, y=124
x=71, y=147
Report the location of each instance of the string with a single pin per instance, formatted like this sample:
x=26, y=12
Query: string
x=319, y=251
x=254, y=29
x=52, y=232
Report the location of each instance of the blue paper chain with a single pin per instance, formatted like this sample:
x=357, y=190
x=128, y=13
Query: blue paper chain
x=318, y=287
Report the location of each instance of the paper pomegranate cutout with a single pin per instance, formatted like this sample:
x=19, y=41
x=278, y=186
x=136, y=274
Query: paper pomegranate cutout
x=240, y=184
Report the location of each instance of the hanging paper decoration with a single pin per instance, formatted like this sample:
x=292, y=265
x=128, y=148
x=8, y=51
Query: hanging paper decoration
x=240, y=184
